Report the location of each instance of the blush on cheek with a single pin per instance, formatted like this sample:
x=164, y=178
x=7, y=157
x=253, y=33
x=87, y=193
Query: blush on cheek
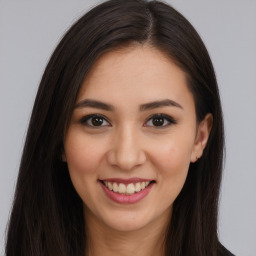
x=81, y=160
x=169, y=157
x=175, y=171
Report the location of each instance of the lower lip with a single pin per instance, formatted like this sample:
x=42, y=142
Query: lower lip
x=127, y=199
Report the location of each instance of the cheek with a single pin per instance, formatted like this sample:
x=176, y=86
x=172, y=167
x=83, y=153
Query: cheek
x=82, y=155
x=172, y=158
x=83, y=160
x=171, y=163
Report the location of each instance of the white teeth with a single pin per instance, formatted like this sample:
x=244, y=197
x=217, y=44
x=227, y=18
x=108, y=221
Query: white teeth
x=122, y=188
x=115, y=187
x=128, y=189
x=110, y=186
x=137, y=187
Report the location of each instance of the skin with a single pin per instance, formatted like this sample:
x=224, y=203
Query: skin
x=129, y=145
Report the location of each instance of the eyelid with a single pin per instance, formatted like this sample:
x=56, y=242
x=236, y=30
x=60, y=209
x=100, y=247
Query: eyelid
x=170, y=119
x=84, y=120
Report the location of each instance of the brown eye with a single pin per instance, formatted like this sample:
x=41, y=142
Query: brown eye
x=94, y=121
x=97, y=121
x=160, y=121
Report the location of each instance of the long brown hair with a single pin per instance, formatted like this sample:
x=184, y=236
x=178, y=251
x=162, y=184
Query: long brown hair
x=47, y=215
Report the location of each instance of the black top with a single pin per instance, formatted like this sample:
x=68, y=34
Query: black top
x=224, y=251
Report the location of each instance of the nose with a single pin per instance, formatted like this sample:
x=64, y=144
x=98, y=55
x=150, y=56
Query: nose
x=126, y=151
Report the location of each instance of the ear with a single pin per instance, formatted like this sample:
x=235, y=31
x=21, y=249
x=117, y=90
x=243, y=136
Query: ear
x=203, y=132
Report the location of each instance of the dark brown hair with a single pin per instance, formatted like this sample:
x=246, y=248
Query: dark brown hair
x=47, y=215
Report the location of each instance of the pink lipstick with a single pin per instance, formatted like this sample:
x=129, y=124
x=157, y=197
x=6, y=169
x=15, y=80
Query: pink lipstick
x=126, y=191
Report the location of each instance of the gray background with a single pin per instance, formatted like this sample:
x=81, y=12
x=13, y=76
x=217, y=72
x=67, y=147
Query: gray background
x=29, y=31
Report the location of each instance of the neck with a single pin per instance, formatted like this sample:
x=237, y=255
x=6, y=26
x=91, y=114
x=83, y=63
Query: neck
x=103, y=240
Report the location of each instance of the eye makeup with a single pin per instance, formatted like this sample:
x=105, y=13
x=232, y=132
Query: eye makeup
x=95, y=121
x=158, y=120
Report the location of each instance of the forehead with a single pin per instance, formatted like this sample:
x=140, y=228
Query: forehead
x=138, y=72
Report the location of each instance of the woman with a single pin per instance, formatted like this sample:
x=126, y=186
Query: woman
x=124, y=149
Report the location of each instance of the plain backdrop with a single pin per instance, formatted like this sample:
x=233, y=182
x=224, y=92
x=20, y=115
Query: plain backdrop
x=30, y=30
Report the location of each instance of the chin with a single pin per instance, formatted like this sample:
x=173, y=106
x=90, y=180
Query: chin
x=126, y=221
x=127, y=225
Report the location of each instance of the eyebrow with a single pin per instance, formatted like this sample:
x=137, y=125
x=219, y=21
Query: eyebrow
x=94, y=104
x=159, y=104
x=143, y=107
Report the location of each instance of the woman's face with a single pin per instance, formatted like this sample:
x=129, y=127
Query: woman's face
x=132, y=137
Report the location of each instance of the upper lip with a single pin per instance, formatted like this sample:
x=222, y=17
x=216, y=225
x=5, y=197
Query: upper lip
x=126, y=181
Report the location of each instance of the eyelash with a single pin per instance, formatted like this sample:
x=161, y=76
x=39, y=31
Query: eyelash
x=170, y=120
x=166, y=118
x=86, y=119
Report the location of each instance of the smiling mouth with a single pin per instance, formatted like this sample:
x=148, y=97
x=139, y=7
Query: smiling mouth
x=126, y=189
